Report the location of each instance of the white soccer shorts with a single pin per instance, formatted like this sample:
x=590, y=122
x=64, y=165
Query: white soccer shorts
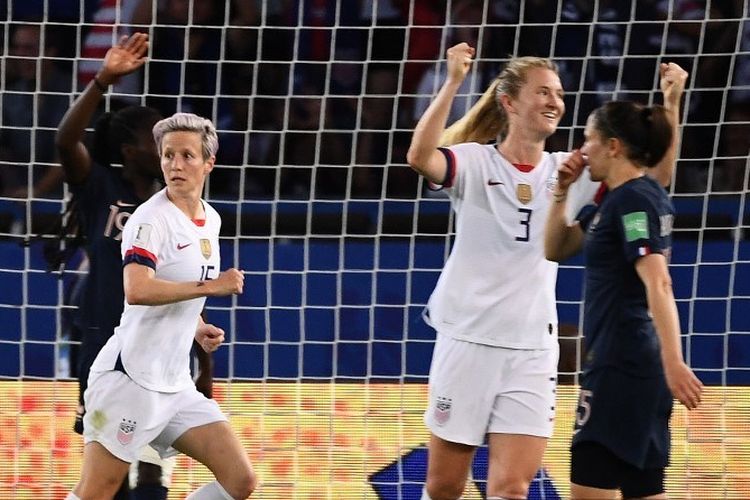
x=476, y=389
x=124, y=417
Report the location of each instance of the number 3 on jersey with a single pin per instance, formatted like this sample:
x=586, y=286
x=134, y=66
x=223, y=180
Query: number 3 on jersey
x=525, y=222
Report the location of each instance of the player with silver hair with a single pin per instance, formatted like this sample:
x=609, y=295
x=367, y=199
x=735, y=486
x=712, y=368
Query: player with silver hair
x=140, y=390
x=188, y=122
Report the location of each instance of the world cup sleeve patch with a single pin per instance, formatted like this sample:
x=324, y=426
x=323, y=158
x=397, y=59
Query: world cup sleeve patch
x=636, y=226
x=142, y=235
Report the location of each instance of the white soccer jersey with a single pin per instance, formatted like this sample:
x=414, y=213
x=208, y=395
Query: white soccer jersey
x=154, y=342
x=496, y=287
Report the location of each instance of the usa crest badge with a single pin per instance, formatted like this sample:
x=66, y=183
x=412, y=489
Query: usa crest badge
x=206, y=247
x=443, y=410
x=523, y=193
x=125, y=431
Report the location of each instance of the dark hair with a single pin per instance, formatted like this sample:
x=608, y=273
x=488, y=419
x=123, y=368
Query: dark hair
x=112, y=130
x=645, y=130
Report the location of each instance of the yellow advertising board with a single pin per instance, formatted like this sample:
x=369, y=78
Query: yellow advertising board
x=318, y=441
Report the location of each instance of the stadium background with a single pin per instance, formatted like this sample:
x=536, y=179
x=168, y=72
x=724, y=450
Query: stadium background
x=325, y=367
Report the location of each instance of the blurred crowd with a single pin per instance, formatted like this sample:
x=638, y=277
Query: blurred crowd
x=317, y=98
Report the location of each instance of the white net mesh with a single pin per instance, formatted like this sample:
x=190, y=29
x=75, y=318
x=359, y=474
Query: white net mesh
x=327, y=357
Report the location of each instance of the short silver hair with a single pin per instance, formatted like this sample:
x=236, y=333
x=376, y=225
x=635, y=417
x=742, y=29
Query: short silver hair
x=188, y=122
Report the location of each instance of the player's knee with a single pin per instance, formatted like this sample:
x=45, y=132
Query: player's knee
x=509, y=486
x=444, y=489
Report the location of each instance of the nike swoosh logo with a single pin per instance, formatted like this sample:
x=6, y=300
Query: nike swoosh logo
x=180, y=247
x=121, y=203
x=494, y=183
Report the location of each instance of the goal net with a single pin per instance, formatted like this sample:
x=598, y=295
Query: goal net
x=324, y=371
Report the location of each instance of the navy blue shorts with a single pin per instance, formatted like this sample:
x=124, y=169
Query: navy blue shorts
x=593, y=465
x=626, y=414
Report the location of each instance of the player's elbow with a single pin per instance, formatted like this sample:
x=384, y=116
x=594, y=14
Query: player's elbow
x=416, y=159
x=663, y=284
x=135, y=297
x=557, y=254
x=426, y=164
x=555, y=244
x=139, y=286
x=552, y=252
x=137, y=292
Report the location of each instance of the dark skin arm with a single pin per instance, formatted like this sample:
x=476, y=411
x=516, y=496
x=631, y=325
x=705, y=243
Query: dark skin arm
x=207, y=339
x=205, y=380
x=122, y=59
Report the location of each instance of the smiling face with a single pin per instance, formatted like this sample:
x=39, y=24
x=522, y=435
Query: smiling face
x=183, y=165
x=539, y=106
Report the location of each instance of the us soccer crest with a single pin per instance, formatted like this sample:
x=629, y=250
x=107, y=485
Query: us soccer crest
x=523, y=193
x=125, y=431
x=206, y=247
x=443, y=410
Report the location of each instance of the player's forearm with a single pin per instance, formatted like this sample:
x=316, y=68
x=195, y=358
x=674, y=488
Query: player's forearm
x=205, y=361
x=431, y=125
x=157, y=292
x=663, y=309
x=662, y=172
x=560, y=239
x=77, y=118
x=74, y=156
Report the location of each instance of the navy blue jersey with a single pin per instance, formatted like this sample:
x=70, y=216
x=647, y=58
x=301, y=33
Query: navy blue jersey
x=624, y=403
x=106, y=201
x=633, y=220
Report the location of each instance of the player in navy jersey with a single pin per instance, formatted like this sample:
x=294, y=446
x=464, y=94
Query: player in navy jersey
x=105, y=197
x=494, y=368
x=633, y=363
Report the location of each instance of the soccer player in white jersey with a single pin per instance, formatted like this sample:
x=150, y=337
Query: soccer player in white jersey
x=494, y=366
x=140, y=390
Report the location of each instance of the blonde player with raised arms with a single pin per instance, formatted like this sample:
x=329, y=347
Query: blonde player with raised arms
x=494, y=367
x=140, y=390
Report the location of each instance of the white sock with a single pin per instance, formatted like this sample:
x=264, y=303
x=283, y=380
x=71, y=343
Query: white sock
x=210, y=491
x=72, y=496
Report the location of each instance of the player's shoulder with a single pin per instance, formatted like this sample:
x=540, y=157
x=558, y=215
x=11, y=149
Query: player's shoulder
x=473, y=149
x=643, y=188
x=642, y=193
x=211, y=213
x=152, y=209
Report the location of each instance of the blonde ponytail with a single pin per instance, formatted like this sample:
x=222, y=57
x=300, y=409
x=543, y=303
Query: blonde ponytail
x=482, y=123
